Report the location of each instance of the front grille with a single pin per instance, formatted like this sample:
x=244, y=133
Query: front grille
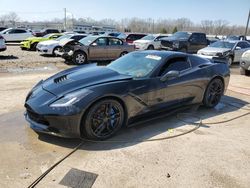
x=36, y=117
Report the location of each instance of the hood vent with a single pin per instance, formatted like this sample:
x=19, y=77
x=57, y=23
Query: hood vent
x=60, y=79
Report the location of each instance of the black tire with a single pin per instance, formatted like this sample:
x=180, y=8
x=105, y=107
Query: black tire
x=150, y=47
x=214, y=92
x=79, y=58
x=123, y=53
x=243, y=71
x=230, y=61
x=99, y=124
x=56, y=49
x=33, y=46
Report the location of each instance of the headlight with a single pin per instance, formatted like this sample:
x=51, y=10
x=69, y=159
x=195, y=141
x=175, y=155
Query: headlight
x=219, y=54
x=71, y=98
x=176, y=44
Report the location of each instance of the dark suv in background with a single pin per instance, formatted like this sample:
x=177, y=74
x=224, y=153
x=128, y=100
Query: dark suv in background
x=45, y=32
x=189, y=42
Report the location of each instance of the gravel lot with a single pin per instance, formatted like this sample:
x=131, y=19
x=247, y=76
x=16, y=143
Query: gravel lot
x=14, y=58
x=215, y=155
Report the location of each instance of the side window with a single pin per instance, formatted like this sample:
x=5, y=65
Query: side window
x=101, y=42
x=241, y=45
x=194, y=38
x=177, y=64
x=114, y=41
x=20, y=31
x=12, y=31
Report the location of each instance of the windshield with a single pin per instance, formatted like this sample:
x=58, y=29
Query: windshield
x=136, y=65
x=180, y=35
x=88, y=40
x=63, y=37
x=223, y=44
x=148, y=37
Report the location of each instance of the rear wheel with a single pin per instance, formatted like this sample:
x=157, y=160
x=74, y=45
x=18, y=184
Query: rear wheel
x=79, y=58
x=213, y=93
x=151, y=47
x=123, y=53
x=103, y=119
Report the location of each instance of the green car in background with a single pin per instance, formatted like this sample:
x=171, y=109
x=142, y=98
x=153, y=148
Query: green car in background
x=31, y=43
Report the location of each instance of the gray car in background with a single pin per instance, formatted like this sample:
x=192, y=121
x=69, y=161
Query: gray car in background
x=231, y=50
x=96, y=48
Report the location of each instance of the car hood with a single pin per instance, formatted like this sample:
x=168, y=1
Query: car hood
x=49, y=42
x=65, y=41
x=35, y=38
x=214, y=50
x=81, y=77
x=174, y=39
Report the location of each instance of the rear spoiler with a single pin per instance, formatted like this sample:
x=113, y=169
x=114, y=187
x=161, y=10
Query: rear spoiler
x=219, y=60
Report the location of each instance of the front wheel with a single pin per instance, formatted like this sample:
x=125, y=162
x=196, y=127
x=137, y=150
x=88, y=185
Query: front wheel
x=230, y=61
x=79, y=58
x=56, y=50
x=33, y=46
x=103, y=119
x=214, y=92
x=243, y=71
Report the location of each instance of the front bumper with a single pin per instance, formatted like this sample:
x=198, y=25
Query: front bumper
x=25, y=44
x=56, y=125
x=2, y=48
x=45, y=50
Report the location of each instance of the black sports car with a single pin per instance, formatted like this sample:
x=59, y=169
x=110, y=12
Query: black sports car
x=96, y=101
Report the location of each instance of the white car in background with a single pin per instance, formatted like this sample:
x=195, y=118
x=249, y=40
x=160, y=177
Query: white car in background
x=15, y=35
x=149, y=42
x=52, y=47
x=2, y=44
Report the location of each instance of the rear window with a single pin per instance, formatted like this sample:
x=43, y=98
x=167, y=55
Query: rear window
x=135, y=36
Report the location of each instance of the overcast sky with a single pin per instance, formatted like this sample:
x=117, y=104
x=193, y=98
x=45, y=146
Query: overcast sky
x=234, y=11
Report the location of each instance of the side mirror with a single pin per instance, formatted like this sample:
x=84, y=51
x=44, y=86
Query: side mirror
x=238, y=48
x=170, y=75
x=94, y=44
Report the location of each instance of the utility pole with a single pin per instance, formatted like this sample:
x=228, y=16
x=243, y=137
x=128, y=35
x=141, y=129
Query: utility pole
x=65, y=19
x=247, y=23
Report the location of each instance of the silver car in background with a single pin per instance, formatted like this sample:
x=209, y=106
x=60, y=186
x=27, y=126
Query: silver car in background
x=231, y=50
x=245, y=63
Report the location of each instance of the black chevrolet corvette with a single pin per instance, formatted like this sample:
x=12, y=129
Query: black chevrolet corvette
x=96, y=101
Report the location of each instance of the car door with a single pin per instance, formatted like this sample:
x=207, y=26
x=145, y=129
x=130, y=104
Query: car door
x=10, y=35
x=157, y=42
x=114, y=48
x=98, y=49
x=179, y=90
x=195, y=43
x=239, y=49
x=20, y=34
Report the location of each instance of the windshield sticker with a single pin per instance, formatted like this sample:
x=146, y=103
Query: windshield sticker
x=154, y=57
